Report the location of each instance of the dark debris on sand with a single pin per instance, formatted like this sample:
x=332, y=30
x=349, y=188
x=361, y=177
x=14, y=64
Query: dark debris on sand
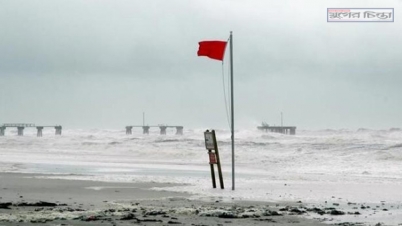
x=150, y=213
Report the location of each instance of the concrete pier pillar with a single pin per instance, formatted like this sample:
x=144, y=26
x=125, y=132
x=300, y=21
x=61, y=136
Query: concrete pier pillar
x=163, y=130
x=293, y=131
x=58, y=130
x=20, y=131
x=179, y=130
x=129, y=130
x=145, y=129
x=2, y=131
x=39, y=133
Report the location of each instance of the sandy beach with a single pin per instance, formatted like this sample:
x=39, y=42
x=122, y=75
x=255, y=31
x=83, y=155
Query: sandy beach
x=26, y=200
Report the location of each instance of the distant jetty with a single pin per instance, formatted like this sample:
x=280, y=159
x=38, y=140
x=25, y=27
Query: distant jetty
x=21, y=126
x=278, y=129
x=145, y=129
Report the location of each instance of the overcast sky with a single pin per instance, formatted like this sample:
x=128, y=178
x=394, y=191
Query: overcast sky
x=101, y=64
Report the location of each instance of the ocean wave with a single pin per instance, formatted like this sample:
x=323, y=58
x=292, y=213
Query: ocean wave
x=339, y=150
x=175, y=140
x=363, y=130
x=90, y=143
x=394, y=129
x=114, y=143
x=394, y=146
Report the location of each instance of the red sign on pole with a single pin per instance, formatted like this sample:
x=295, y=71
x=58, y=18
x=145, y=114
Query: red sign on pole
x=212, y=158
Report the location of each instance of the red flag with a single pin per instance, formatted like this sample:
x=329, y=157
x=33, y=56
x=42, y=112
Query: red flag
x=212, y=49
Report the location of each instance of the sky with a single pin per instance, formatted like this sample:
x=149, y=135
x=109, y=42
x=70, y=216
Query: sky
x=103, y=63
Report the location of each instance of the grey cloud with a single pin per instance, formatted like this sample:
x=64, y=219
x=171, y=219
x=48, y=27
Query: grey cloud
x=76, y=56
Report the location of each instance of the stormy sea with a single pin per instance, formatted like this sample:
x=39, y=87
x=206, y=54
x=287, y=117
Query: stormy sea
x=344, y=166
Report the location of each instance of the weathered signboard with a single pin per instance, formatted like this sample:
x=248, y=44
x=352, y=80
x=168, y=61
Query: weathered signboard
x=213, y=152
x=209, y=140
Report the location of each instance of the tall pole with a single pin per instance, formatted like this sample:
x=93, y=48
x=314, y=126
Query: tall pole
x=232, y=118
x=281, y=119
x=143, y=118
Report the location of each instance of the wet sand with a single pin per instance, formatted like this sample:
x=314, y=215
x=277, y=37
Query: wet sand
x=26, y=200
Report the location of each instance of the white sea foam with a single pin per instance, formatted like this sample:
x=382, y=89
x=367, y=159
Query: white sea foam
x=313, y=166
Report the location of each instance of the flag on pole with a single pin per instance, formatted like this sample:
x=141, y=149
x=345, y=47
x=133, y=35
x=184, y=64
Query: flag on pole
x=216, y=50
x=212, y=49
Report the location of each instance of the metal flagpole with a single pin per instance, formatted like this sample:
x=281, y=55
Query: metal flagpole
x=232, y=116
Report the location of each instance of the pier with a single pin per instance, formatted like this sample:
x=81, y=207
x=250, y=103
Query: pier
x=145, y=129
x=278, y=129
x=21, y=126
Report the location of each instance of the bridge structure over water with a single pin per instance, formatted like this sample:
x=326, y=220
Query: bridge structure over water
x=278, y=129
x=145, y=129
x=21, y=126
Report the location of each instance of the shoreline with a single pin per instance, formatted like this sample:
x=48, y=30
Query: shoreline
x=95, y=198
x=26, y=200
x=33, y=199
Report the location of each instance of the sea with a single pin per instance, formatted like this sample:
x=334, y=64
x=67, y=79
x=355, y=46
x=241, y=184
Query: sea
x=316, y=167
